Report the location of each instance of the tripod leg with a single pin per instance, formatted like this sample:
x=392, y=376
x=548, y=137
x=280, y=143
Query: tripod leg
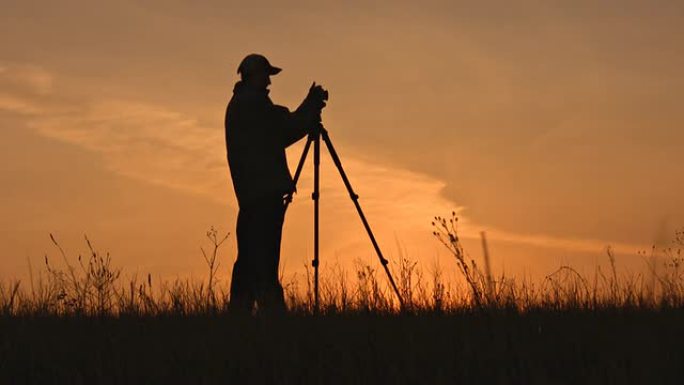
x=298, y=172
x=355, y=199
x=315, y=196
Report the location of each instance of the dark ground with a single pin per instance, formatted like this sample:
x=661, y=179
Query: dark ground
x=544, y=347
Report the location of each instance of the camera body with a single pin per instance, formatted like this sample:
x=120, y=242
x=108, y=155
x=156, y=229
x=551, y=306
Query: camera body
x=318, y=96
x=324, y=94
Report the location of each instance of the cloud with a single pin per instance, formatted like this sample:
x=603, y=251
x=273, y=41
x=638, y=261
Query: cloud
x=25, y=78
x=146, y=142
x=21, y=87
x=576, y=244
x=18, y=105
x=158, y=145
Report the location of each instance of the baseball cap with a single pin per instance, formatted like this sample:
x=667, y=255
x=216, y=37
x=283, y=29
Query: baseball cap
x=255, y=63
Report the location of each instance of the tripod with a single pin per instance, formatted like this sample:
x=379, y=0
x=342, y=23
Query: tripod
x=315, y=138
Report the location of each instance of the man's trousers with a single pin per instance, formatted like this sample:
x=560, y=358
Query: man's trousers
x=255, y=273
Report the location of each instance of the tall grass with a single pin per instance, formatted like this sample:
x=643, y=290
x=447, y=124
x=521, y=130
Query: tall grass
x=91, y=286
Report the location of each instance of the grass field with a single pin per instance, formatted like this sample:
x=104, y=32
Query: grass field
x=537, y=347
x=81, y=324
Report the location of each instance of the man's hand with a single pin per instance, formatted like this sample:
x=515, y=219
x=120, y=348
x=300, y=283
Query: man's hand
x=317, y=97
x=309, y=112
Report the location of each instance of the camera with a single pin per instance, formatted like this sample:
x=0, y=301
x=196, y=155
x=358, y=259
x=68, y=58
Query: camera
x=318, y=96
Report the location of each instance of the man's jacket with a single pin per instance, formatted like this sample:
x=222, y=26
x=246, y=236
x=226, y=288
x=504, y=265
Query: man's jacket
x=257, y=133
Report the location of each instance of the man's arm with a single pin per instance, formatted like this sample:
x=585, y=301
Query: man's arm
x=293, y=126
x=307, y=117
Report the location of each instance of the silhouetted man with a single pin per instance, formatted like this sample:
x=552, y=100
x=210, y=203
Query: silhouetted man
x=257, y=133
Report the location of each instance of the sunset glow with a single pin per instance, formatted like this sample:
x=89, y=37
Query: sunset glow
x=557, y=131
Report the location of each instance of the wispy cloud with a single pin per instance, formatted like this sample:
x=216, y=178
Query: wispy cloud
x=146, y=142
x=21, y=86
x=26, y=78
x=159, y=145
x=18, y=105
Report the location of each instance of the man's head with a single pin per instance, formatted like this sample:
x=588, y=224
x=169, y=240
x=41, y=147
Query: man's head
x=255, y=70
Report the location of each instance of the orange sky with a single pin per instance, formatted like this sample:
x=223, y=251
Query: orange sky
x=554, y=126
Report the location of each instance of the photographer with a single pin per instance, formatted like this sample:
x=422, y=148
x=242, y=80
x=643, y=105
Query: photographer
x=257, y=133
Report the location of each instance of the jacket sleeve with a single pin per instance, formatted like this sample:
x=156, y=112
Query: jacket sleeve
x=293, y=126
